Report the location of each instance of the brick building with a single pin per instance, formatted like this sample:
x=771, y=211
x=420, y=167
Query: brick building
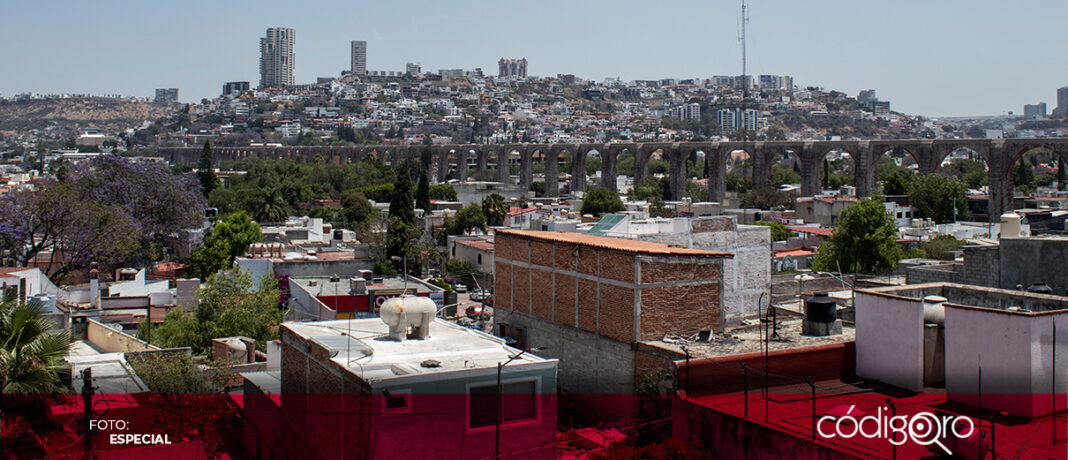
x=593, y=300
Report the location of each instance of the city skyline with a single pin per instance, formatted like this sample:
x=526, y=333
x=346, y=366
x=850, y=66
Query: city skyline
x=938, y=61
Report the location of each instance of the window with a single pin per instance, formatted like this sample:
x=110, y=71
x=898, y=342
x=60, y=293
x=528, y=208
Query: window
x=396, y=401
x=899, y=214
x=518, y=398
x=454, y=250
x=480, y=259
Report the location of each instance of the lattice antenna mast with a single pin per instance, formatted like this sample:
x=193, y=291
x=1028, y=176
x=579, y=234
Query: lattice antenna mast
x=743, y=20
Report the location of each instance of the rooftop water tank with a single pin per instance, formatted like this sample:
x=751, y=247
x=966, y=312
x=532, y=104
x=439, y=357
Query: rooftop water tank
x=408, y=316
x=934, y=310
x=1040, y=288
x=821, y=308
x=1010, y=225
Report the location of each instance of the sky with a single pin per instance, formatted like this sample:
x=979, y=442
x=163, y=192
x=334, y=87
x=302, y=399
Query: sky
x=931, y=58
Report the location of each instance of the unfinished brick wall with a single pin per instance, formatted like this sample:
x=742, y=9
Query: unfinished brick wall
x=623, y=295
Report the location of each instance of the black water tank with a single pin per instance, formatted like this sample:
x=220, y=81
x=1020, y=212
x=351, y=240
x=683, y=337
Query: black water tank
x=820, y=308
x=1040, y=288
x=338, y=234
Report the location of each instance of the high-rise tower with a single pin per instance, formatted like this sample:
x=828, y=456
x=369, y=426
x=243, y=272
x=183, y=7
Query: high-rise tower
x=359, y=58
x=276, y=57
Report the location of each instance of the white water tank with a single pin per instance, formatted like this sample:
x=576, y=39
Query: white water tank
x=1010, y=225
x=934, y=310
x=406, y=313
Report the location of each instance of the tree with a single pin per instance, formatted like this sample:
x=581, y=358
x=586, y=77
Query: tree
x=442, y=192
x=400, y=204
x=422, y=193
x=231, y=305
x=227, y=240
x=471, y=217
x=768, y=198
x=898, y=182
x=77, y=231
x=206, y=172
x=865, y=241
x=648, y=188
x=658, y=209
x=1023, y=177
x=937, y=197
x=31, y=353
x=942, y=247
x=593, y=164
x=356, y=210
x=495, y=209
x=601, y=201
x=779, y=232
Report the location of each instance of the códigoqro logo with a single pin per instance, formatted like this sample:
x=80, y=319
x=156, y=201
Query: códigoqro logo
x=923, y=428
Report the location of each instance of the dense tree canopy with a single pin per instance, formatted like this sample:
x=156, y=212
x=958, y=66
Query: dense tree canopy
x=230, y=305
x=865, y=241
x=228, y=239
x=936, y=197
x=601, y=201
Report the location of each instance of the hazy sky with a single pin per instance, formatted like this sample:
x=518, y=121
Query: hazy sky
x=935, y=58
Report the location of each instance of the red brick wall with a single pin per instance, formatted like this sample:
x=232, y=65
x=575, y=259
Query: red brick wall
x=502, y=284
x=617, y=313
x=681, y=310
x=564, y=301
x=673, y=309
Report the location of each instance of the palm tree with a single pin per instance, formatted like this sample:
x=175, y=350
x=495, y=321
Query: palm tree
x=495, y=209
x=31, y=354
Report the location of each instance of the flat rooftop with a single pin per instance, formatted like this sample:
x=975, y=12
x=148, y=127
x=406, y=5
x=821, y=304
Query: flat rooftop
x=790, y=411
x=748, y=339
x=618, y=244
x=111, y=373
x=321, y=285
x=969, y=296
x=369, y=352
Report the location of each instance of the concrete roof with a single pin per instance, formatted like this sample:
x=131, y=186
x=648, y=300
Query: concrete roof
x=323, y=285
x=618, y=244
x=372, y=356
x=111, y=374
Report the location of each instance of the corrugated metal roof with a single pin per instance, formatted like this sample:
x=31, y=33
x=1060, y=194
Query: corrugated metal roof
x=618, y=244
x=605, y=224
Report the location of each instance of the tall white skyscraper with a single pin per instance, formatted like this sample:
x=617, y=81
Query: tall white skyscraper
x=359, y=57
x=276, y=57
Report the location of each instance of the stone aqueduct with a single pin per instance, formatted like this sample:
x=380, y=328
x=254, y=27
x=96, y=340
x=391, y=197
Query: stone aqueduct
x=999, y=154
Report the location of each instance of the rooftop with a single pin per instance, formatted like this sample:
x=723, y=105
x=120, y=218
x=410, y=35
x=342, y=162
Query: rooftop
x=749, y=339
x=322, y=285
x=820, y=231
x=618, y=244
x=374, y=357
x=477, y=244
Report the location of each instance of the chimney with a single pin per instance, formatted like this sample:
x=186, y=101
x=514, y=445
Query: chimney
x=94, y=286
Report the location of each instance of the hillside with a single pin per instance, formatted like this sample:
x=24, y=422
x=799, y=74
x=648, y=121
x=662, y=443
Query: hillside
x=112, y=114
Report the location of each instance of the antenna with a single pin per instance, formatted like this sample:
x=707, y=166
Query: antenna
x=745, y=86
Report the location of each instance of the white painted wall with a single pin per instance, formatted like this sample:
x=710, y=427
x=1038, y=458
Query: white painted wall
x=1016, y=352
x=890, y=340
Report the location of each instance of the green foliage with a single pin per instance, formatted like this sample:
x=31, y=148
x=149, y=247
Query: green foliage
x=915, y=253
x=658, y=166
x=649, y=187
x=970, y=172
x=458, y=266
x=442, y=192
x=400, y=203
x=739, y=183
x=384, y=268
x=206, y=171
x=593, y=164
x=422, y=191
x=381, y=193
x=1023, y=177
x=169, y=373
x=783, y=175
x=601, y=201
x=471, y=217
x=400, y=236
x=624, y=164
x=356, y=211
x=227, y=240
x=495, y=209
x=898, y=182
x=779, y=232
x=768, y=198
x=933, y=195
x=658, y=209
x=31, y=352
x=865, y=241
x=231, y=305
x=942, y=247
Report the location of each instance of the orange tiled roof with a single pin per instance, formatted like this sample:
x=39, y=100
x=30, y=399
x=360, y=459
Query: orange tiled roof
x=619, y=244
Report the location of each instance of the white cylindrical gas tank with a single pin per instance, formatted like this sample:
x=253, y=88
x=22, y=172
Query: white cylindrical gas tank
x=1010, y=225
x=934, y=310
x=408, y=312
